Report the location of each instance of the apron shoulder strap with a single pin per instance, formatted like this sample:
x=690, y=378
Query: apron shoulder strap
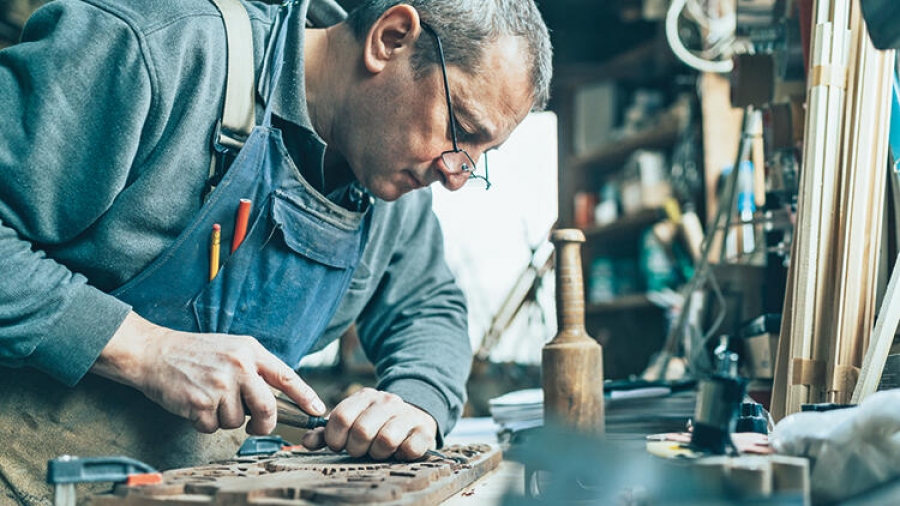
x=238, y=116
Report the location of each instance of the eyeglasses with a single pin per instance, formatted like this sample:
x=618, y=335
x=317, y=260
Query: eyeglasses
x=457, y=160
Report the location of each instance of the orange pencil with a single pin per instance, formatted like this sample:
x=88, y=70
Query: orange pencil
x=214, y=251
x=240, y=223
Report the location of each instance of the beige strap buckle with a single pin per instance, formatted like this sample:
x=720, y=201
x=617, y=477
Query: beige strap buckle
x=238, y=114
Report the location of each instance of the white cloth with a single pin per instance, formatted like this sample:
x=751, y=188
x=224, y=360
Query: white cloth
x=850, y=450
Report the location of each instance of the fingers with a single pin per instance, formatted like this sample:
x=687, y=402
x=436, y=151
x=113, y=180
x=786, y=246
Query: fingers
x=282, y=377
x=389, y=439
x=379, y=424
x=206, y=421
x=260, y=405
x=314, y=439
x=216, y=380
x=231, y=411
x=415, y=446
x=368, y=425
x=343, y=419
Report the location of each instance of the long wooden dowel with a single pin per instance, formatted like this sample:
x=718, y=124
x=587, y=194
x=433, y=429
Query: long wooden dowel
x=882, y=338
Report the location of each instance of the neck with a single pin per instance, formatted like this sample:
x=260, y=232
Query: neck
x=329, y=69
x=327, y=75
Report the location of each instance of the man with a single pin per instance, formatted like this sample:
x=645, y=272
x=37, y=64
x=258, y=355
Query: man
x=109, y=187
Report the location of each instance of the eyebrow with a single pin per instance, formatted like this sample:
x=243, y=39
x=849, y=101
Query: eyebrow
x=462, y=112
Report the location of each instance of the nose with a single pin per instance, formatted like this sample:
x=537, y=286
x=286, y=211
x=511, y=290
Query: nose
x=456, y=181
x=451, y=179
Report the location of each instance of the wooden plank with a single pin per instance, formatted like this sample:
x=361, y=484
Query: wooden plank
x=303, y=479
x=721, y=134
x=882, y=338
x=810, y=334
x=850, y=268
x=807, y=234
x=781, y=379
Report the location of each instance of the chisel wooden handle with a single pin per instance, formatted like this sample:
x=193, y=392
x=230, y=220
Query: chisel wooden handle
x=290, y=414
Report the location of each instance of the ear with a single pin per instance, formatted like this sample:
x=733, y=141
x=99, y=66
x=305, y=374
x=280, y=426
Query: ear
x=390, y=36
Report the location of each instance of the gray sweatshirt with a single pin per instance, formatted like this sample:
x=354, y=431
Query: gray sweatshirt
x=108, y=110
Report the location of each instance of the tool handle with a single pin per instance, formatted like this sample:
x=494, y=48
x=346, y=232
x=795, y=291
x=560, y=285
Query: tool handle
x=291, y=414
x=69, y=469
x=569, y=285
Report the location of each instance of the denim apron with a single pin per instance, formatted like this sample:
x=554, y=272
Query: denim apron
x=285, y=281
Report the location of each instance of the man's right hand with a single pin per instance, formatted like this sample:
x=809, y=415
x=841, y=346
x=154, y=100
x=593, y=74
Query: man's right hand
x=213, y=380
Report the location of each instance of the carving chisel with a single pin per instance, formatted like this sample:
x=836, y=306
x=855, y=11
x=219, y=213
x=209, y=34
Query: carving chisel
x=290, y=414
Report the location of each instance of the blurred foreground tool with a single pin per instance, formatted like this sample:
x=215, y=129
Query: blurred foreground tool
x=65, y=471
x=265, y=445
x=572, y=363
x=718, y=407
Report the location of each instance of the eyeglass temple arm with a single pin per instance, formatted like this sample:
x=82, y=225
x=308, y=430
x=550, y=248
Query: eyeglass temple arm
x=440, y=46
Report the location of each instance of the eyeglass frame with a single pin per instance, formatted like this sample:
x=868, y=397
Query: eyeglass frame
x=453, y=137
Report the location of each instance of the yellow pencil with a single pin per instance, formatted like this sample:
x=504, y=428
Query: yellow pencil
x=214, y=251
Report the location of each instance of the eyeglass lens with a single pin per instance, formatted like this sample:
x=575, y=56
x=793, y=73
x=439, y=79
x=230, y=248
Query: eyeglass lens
x=457, y=160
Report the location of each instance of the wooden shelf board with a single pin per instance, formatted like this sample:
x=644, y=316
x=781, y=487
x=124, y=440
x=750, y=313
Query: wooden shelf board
x=622, y=303
x=662, y=134
x=629, y=223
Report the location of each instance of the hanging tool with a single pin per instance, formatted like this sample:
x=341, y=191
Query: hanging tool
x=65, y=471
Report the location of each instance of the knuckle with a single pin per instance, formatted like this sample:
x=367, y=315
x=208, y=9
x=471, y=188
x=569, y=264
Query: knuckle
x=334, y=441
x=388, y=439
x=265, y=411
x=361, y=433
x=340, y=421
x=286, y=376
x=199, y=401
x=238, y=362
x=205, y=424
x=219, y=381
x=388, y=397
x=412, y=450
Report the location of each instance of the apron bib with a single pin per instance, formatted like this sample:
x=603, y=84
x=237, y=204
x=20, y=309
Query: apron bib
x=285, y=281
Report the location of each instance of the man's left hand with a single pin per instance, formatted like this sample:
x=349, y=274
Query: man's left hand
x=377, y=423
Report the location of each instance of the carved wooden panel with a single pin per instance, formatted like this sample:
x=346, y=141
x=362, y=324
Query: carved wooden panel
x=295, y=479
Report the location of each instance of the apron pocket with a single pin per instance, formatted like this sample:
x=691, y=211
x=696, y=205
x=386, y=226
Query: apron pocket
x=283, y=284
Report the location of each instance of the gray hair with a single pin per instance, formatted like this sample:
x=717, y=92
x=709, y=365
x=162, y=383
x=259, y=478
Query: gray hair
x=467, y=28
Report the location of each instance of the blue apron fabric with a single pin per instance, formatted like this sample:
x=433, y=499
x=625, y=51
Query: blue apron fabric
x=285, y=281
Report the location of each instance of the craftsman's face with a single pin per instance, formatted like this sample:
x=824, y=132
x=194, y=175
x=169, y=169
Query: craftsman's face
x=408, y=121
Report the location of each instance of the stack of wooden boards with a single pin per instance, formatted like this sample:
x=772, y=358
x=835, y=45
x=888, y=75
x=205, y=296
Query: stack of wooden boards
x=833, y=278
x=301, y=479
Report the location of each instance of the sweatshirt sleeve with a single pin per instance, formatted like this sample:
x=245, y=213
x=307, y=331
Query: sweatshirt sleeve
x=415, y=327
x=74, y=95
